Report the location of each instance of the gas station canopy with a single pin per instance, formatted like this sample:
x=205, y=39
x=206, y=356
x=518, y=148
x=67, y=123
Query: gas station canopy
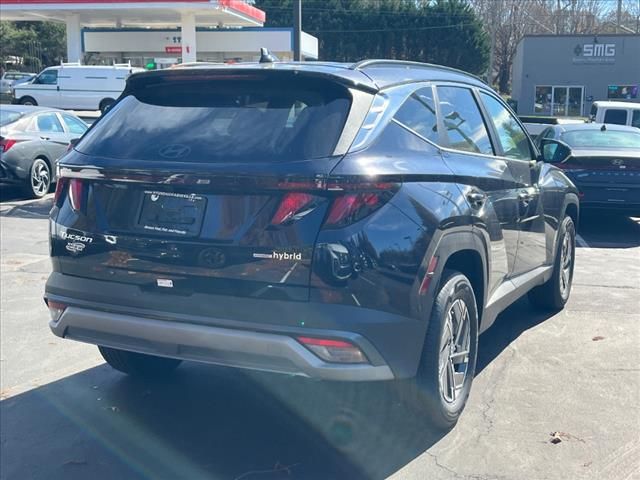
x=185, y=14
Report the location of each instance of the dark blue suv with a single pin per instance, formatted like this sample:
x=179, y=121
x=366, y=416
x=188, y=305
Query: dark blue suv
x=342, y=222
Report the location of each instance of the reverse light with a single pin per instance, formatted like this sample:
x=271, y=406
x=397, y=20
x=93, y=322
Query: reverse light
x=335, y=351
x=76, y=193
x=293, y=205
x=56, y=309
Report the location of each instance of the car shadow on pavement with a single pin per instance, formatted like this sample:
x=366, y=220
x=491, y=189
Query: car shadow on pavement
x=606, y=230
x=209, y=422
x=26, y=209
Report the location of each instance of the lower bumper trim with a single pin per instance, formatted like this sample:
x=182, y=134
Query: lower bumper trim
x=215, y=345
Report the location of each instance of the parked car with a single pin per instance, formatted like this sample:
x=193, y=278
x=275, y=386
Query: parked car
x=77, y=87
x=9, y=78
x=602, y=160
x=31, y=140
x=535, y=125
x=618, y=113
x=343, y=222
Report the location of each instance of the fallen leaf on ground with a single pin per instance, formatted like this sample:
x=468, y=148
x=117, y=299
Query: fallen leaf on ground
x=597, y=338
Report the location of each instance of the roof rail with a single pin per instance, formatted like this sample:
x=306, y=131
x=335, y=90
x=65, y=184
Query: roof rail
x=362, y=64
x=128, y=64
x=70, y=64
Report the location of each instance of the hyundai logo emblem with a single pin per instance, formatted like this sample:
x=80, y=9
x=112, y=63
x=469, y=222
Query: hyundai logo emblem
x=618, y=162
x=175, y=150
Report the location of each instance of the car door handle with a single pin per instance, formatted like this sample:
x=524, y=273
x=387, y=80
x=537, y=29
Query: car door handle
x=45, y=138
x=476, y=199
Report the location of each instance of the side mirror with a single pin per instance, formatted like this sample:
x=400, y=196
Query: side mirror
x=73, y=142
x=554, y=151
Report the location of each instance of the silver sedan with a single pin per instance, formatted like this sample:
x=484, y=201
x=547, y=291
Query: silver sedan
x=31, y=141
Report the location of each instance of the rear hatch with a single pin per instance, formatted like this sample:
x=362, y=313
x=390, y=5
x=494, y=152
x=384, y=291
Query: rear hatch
x=203, y=182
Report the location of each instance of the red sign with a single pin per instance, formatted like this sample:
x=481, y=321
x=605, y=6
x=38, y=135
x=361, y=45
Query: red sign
x=173, y=49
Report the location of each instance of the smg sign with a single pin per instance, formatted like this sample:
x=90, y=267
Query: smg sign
x=594, y=53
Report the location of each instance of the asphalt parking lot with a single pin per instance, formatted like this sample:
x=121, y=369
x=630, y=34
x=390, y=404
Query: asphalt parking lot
x=556, y=397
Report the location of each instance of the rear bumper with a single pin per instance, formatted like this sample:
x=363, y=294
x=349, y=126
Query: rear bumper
x=239, y=332
x=221, y=346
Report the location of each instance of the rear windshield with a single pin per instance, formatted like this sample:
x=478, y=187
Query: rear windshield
x=600, y=139
x=7, y=117
x=223, y=121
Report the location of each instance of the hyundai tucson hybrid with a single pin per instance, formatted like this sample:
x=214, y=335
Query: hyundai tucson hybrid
x=342, y=222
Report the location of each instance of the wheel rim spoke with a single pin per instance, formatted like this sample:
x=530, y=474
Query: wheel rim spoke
x=454, y=351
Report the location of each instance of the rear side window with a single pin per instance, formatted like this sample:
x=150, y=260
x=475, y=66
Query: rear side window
x=74, y=125
x=635, y=120
x=220, y=120
x=419, y=114
x=513, y=140
x=463, y=122
x=48, y=122
x=615, y=116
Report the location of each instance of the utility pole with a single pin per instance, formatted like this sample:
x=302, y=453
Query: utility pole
x=297, y=30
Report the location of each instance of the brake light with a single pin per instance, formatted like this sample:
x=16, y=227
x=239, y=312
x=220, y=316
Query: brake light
x=7, y=143
x=291, y=206
x=349, y=208
x=76, y=193
x=60, y=184
x=337, y=351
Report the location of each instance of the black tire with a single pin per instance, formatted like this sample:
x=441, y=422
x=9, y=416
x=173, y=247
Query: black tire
x=138, y=364
x=427, y=391
x=106, y=104
x=27, y=101
x=38, y=182
x=554, y=293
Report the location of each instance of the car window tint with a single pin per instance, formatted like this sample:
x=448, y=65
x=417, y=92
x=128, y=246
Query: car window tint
x=255, y=120
x=511, y=135
x=7, y=117
x=74, y=125
x=463, y=122
x=48, y=122
x=635, y=120
x=48, y=77
x=615, y=116
x=419, y=114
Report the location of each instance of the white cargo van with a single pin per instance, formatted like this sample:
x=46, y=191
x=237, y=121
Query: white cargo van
x=73, y=86
x=619, y=113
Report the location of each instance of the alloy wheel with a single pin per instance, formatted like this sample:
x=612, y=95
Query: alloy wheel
x=566, y=260
x=454, y=351
x=40, y=178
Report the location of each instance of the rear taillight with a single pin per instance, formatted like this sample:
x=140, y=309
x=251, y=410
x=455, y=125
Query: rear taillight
x=7, y=143
x=351, y=207
x=76, y=193
x=293, y=206
x=60, y=186
x=337, y=351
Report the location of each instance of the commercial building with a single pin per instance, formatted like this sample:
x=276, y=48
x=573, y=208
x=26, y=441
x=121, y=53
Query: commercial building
x=561, y=75
x=160, y=31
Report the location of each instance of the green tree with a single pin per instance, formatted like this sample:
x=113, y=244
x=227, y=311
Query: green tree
x=39, y=44
x=447, y=32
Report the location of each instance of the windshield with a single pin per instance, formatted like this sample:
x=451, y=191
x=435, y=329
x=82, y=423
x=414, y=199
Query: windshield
x=601, y=139
x=7, y=117
x=223, y=121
